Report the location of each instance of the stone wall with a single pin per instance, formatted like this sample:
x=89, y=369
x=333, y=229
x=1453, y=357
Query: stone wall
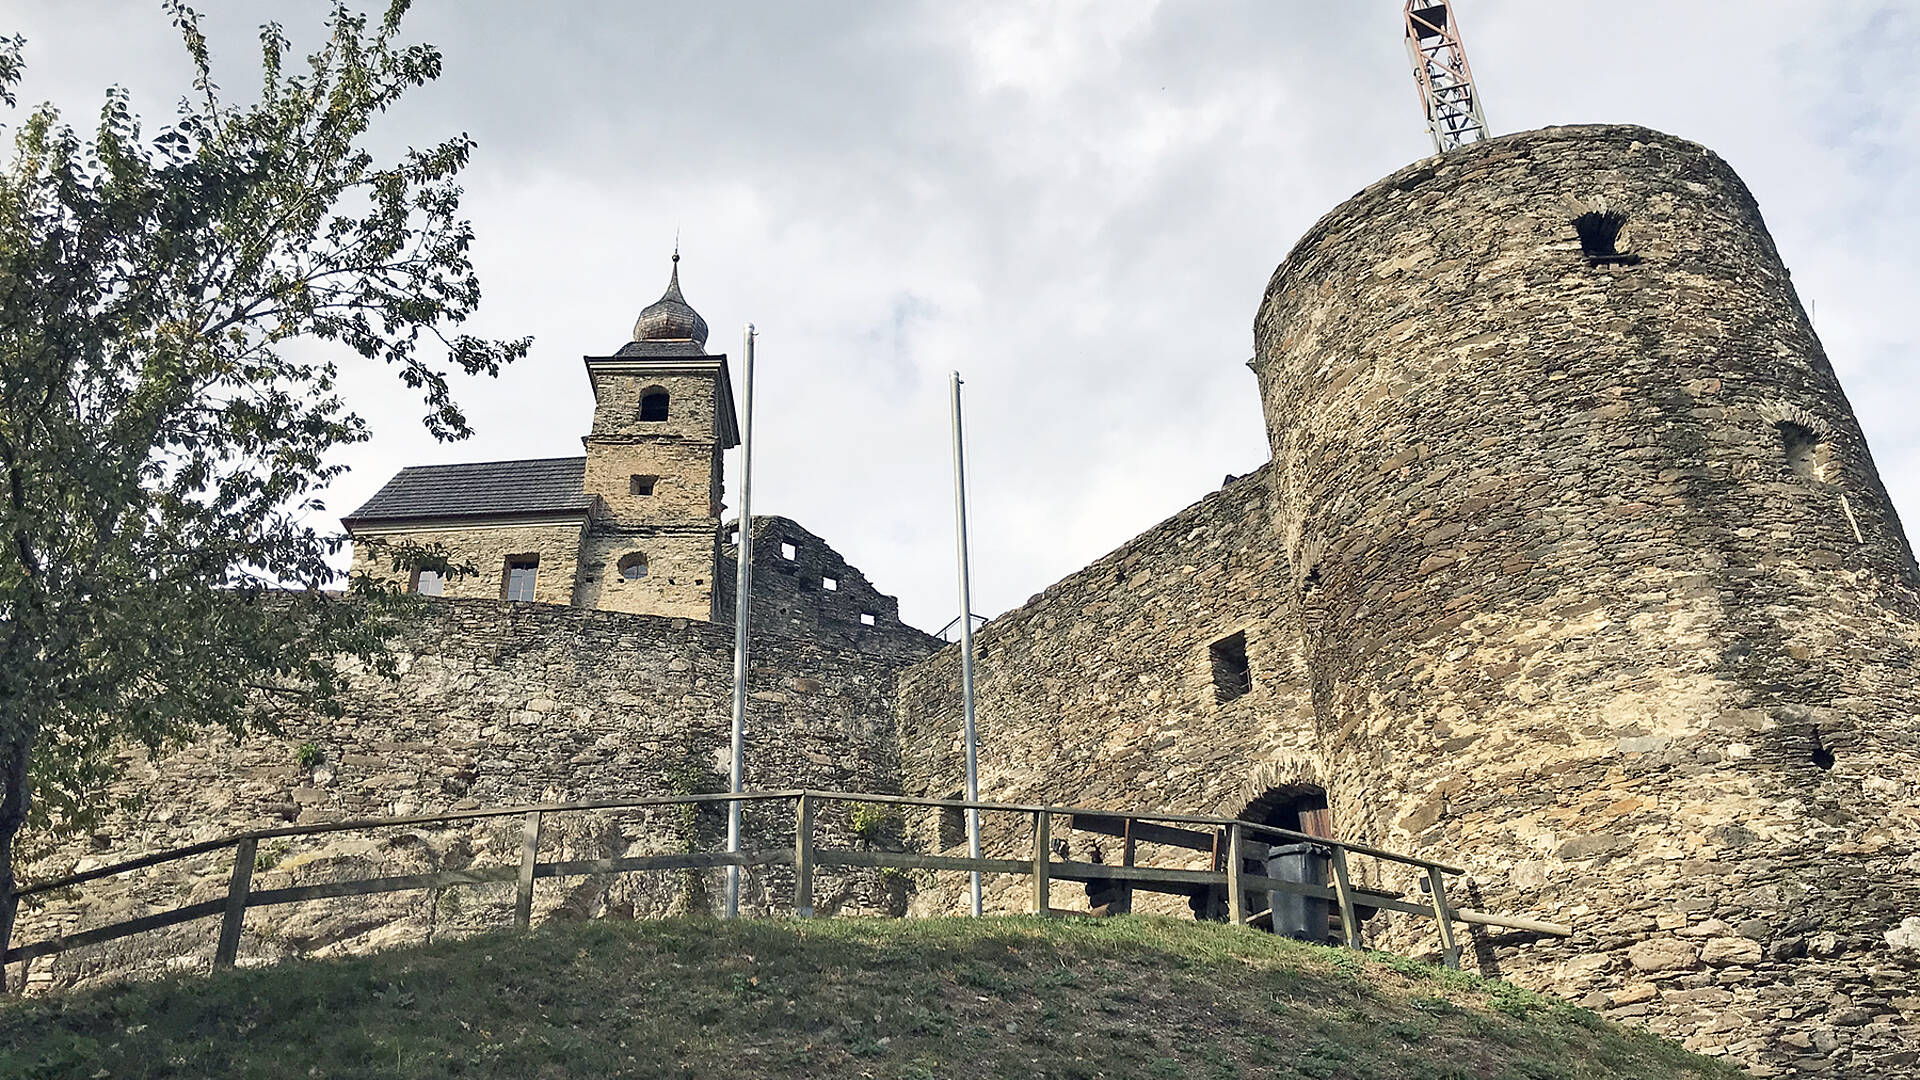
x=495, y=705
x=487, y=547
x=1101, y=691
x=1612, y=604
x=792, y=596
x=681, y=562
x=1574, y=570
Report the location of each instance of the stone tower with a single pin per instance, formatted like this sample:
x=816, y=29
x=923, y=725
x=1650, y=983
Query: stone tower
x=663, y=415
x=1599, y=589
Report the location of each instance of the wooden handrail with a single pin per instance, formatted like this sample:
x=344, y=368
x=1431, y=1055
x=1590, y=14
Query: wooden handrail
x=803, y=856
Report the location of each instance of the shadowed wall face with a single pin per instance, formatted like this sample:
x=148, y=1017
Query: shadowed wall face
x=1616, y=607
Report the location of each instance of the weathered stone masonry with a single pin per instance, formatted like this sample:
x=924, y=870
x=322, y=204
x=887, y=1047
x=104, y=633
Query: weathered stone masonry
x=497, y=704
x=1570, y=566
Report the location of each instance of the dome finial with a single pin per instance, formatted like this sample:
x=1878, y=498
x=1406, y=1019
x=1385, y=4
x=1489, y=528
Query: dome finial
x=671, y=318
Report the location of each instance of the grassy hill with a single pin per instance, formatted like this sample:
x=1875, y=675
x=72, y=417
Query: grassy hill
x=902, y=999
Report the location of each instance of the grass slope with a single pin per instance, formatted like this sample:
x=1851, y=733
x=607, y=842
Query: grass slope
x=704, y=999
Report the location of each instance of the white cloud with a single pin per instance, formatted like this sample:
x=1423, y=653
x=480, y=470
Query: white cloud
x=1077, y=204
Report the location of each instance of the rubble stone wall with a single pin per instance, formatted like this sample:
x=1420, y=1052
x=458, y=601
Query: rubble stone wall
x=1612, y=605
x=681, y=563
x=1101, y=692
x=487, y=548
x=791, y=596
x=495, y=705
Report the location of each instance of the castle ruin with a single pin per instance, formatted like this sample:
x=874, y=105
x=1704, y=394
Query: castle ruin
x=1571, y=566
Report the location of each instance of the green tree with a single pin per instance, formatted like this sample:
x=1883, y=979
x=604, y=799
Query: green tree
x=162, y=547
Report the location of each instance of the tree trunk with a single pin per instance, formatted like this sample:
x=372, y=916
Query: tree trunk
x=14, y=756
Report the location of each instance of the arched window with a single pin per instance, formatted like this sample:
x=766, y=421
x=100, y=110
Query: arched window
x=653, y=405
x=633, y=566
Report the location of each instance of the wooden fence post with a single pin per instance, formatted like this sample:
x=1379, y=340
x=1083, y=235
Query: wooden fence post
x=1042, y=872
x=803, y=857
x=1443, y=915
x=1343, y=890
x=1236, y=900
x=228, y=950
x=529, y=851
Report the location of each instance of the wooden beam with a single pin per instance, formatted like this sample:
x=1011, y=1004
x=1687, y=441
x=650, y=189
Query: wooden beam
x=908, y=861
x=228, y=948
x=529, y=855
x=1133, y=832
x=1343, y=887
x=1042, y=853
x=1236, y=897
x=116, y=931
x=690, y=860
x=803, y=857
x=1442, y=916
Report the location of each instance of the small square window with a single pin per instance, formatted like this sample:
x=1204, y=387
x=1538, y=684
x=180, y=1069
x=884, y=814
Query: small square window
x=1232, y=677
x=733, y=535
x=868, y=618
x=830, y=584
x=429, y=583
x=788, y=551
x=641, y=485
x=521, y=572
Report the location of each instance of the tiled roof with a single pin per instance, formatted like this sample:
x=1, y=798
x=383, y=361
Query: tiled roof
x=671, y=318
x=479, y=489
x=661, y=348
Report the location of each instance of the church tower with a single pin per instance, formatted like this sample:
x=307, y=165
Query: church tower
x=663, y=415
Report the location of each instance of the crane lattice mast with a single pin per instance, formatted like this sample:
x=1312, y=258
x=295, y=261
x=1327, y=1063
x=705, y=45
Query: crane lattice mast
x=1447, y=93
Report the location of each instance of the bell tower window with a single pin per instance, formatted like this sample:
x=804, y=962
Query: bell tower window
x=641, y=485
x=653, y=405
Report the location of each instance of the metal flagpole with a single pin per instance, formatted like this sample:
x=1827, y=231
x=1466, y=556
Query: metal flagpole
x=742, y=586
x=966, y=643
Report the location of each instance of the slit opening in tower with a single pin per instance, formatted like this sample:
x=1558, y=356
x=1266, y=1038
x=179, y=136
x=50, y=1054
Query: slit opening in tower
x=1822, y=755
x=1801, y=446
x=1600, y=238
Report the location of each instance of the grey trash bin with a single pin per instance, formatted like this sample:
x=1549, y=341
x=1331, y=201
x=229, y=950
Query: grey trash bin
x=1294, y=915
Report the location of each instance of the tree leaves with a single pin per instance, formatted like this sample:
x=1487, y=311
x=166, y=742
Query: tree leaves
x=162, y=549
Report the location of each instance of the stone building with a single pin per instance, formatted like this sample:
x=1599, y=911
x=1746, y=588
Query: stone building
x=1571, y=566
x=631, y=526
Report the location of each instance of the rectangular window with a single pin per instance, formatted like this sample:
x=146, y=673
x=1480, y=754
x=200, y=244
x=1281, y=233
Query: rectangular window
x=641, y=485
x=1232, y=677
x=788, y=551
x=953, y=823
x=428, y=583
x=868, y=618
x=520, y=575
x=830, y=584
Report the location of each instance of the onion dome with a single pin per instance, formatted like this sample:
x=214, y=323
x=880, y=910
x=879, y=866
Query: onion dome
x=670, y=318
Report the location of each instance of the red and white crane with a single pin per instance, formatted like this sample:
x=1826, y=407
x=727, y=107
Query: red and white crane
x=1447, y=93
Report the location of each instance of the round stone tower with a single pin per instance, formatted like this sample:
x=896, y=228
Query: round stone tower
x=1601, y=594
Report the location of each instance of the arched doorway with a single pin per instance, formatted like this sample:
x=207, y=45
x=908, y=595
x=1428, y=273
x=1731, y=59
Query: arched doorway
x=1300, y=808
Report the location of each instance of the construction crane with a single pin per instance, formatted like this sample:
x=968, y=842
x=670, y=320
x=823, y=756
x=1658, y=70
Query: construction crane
x=1447, y=93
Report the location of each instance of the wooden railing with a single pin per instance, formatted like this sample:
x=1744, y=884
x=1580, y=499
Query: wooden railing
x=1230, y=841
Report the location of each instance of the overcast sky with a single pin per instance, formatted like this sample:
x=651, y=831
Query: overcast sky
x=1077, y=204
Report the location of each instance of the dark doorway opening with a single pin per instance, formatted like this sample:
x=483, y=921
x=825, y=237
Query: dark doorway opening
x=1300, y=808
